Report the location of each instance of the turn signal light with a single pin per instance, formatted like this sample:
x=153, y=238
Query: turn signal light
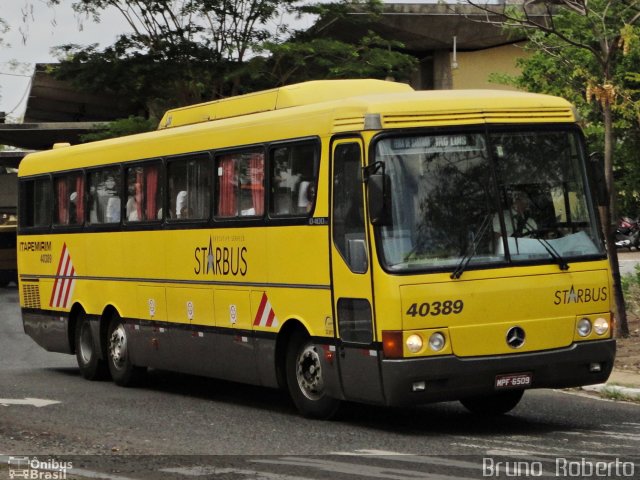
x=392, y=343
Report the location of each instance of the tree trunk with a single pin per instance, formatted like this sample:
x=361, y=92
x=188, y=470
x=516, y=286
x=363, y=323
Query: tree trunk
x=609, y=223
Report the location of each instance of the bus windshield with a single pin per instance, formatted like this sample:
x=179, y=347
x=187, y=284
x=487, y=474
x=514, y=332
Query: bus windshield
x=486, y=198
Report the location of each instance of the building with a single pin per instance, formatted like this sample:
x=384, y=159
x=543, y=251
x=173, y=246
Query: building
x=454, y=44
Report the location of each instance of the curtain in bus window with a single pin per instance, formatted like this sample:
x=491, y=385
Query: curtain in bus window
x=151, y=174
x=199, y=188
x=256, y=174
x=135, y=213
x=227, y=178
x=62, y=200
x=79, y=199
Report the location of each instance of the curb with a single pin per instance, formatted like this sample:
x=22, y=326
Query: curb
x=614, y=390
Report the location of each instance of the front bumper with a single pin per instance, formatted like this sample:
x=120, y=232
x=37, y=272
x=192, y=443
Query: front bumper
x=452, y=378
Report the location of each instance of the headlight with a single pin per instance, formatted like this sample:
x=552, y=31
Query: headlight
x=584, y=327
x=437, y=341
x=600, y=325
x=414, y=343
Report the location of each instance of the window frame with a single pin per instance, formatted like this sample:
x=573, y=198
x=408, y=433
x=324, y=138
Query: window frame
x=125, y=168
x=22, y=181
x=54, y=201
x=316, y=143
x=89, y=226
x=238, y=218
x=208, y=156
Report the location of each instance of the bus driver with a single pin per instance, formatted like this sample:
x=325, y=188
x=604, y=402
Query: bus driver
x=517, y=219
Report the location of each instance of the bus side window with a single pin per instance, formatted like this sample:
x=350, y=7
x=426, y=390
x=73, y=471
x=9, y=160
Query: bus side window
x=104, y=196
x=35, y=203
x=189, y=187
x=293, y=179
x=69, y=199
x=240, y=181
x=144, y=193
x=348, y=207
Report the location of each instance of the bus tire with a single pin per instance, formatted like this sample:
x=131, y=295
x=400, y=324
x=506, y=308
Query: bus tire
x=496, y=404
x=304, y=378
x=92, y=367
x=123, y=372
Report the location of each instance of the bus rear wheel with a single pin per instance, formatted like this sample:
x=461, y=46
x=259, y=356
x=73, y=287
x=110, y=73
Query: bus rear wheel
x=123, y=372
x=304, y=379
x=496, y=404
x=92, y=367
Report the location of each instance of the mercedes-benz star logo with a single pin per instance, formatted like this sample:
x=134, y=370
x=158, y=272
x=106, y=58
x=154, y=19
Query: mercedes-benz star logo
x=515, y=337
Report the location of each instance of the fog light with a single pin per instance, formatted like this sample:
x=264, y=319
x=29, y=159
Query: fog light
x=600, y=326
x=414, y=343
x=419, y=386
x=437, y=341
x=584, y=327
x=595, y=367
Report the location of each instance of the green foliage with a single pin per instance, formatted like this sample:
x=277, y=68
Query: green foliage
x=304, y=59
x=584, y=53
x=119, y=128
x=631, y=290
x=188, y=51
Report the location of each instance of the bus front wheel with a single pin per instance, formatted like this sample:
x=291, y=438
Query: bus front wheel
x=92, y=367
x=495, y=404
x=123, y=372
x=304, y=379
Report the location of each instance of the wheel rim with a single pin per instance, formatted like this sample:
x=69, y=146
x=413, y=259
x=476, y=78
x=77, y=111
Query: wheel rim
x=118, y=347
x=309, y=373
x=86, y=343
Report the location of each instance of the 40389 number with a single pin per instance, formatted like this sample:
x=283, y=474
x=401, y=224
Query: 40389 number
x=448, y=307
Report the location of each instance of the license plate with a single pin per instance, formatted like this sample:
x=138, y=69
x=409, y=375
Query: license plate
x=514, y=380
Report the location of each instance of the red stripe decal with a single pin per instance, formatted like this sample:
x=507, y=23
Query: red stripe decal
x=68, y=289
x=55, y=284
x=64, y=282
x=272, y=315
x=263, y=304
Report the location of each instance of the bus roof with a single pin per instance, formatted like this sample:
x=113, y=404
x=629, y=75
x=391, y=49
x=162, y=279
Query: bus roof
x=300, y=113
x=296, y=95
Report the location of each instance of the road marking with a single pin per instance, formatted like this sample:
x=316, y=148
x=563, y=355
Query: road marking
x=411, y=458
x=368, y=471
x=90, y=474
x=36, y=402
x=208, y=471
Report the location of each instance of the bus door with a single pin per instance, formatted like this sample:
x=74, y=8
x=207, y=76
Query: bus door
x=351, y=276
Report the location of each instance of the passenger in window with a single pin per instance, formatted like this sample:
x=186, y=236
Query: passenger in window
x=113, y=210
x=305, y=196
x=181, y=205
x=518, y=221
x=132, y=205
x=73, y=215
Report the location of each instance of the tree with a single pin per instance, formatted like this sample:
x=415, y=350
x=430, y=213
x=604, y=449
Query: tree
x=183, y=52
x=179, y=51
x=314, y=54
x=589, y=40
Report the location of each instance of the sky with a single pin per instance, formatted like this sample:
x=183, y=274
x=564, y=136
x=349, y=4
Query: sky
x=45, y=29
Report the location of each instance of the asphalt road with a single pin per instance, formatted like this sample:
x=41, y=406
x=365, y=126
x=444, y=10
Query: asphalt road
x=184, y=427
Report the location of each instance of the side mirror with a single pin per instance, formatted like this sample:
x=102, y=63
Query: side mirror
x=598, y=179
x=379, y=198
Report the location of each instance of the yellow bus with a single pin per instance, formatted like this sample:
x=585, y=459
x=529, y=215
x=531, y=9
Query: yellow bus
x=343, y=240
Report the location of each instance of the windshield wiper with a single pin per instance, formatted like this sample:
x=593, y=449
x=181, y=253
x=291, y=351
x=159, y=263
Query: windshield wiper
x=562, y=263
x=473, y=247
